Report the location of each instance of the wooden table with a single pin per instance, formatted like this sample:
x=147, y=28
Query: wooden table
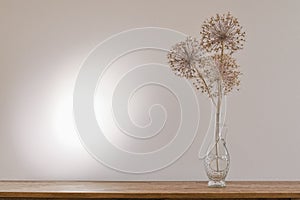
x=147, y=190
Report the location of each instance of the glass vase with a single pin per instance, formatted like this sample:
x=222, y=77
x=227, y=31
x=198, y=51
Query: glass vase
x=213, y=150
x=217, y=160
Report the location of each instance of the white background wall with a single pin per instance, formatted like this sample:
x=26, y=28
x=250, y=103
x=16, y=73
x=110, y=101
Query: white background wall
x=42, y=46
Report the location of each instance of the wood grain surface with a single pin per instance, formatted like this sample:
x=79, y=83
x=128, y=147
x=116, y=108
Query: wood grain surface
x=151, y=190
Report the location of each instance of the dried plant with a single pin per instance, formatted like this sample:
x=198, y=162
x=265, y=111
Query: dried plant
x=209, y=63
x=187, y=59
x=222, y=32
x=184, y=57
x=229, y=71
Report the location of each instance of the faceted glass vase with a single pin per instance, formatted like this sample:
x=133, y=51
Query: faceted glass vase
x=217, y=160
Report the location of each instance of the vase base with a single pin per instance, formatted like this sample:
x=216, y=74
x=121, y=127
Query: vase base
x=216, y=184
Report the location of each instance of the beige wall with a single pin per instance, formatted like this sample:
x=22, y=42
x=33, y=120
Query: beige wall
x=42, y=46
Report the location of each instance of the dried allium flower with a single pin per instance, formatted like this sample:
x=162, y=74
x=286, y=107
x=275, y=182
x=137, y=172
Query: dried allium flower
x=222, y=32
x=187, y=60
x=229, y=71
x=184, y=57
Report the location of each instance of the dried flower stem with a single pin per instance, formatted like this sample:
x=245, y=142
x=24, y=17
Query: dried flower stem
x=217, y=134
